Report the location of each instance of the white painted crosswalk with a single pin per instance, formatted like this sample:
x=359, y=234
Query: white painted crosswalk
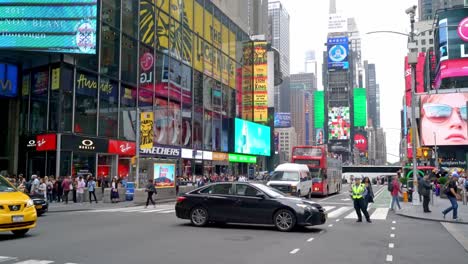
x=161, y=209
x=15, y=260
x=348, y=212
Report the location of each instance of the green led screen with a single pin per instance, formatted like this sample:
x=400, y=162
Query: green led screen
x=360, y=109
x=319, y=109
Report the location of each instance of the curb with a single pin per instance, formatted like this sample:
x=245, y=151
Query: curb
x=103, y=208
x=431, y=219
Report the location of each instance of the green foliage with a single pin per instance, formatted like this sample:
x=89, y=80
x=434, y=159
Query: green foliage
x=443, y=180
x=403, y=180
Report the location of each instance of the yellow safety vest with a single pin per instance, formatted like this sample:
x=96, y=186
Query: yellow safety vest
x=358, y=190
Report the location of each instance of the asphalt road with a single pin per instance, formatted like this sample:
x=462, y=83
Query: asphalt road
x=137, y=236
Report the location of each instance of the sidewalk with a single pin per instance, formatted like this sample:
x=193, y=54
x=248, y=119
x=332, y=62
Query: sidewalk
x=409, y=210
x=74, y=207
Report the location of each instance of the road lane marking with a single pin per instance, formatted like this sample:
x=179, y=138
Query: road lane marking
x=33, y=261
x=321, y=232
x=380, y=214
x=391, y=245
x=393, y=222
x=352, y=215
x=328, y=208
x=4, y=259
x=393, y=228
x=330, y=225
x=392, y=235
x=337, y=220
x=339, y=211
x=167, y=212
x=294, y=251
x=389, y=258
x=310, y=239
x=154, y=210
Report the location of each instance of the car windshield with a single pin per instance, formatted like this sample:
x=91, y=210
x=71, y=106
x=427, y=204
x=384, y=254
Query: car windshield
x=5, y=186
x=269, y=191
x=285, y=176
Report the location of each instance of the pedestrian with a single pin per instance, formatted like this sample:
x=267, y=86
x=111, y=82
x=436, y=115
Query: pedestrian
x=59, y=189
x=369, y=198
x=92, y=189
x=80, y=189
x=34, y=185
x=150, y=190
x=426, y=192
x=42, y=189
x=66, y=187
x=74, y=188
x=420, y=190
x=50, y=187
x=114, y=191
x=395, y=189
x=358, y=192
x=452, y=195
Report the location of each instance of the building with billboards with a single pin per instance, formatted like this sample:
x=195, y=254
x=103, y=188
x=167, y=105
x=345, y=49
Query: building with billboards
x=83, y=90
x=302, y=112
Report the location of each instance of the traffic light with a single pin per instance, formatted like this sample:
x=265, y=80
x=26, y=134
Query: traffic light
x=419, y=153
x=423, y=153
x=426, y=153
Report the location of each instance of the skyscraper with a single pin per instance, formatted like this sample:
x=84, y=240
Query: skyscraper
x=373, y=108
x=302, y=112
x=428, y=8
x=279, y=28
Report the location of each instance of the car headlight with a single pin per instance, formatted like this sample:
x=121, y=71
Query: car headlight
x=294, y=188
x=29, y=203
x=305, y=206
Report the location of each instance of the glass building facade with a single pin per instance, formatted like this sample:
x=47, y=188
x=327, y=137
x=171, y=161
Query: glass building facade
x=179, y=59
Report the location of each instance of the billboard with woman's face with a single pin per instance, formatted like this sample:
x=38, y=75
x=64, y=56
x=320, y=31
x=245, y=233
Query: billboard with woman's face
x=443, y=119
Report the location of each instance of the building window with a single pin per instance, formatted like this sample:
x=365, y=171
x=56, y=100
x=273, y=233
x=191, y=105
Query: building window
x=39, y=97
x=111, y=12
x=424, y=49
x=110, y=52
x=61, y=99
x=108, y=107
x=431, y=41
x=423, y=42
x=127, y=111
x=86, y=103
x=129, y=60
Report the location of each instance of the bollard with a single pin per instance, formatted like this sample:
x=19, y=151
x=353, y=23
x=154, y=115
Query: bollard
x=405, y=196
x=432, y=197
x=464, y=196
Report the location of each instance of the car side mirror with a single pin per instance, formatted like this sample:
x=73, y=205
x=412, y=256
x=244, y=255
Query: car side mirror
x=260, y=195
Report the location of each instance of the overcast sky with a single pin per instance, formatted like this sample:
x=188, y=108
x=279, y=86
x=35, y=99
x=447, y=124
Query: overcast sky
x=308, y=31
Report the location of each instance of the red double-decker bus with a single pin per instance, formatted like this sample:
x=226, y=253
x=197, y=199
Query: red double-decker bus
x=325, y=170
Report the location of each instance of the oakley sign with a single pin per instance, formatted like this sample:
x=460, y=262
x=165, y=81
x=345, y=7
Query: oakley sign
x=87, y=144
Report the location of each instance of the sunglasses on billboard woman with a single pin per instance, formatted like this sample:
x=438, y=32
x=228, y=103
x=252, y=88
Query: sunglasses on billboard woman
x=439, y=113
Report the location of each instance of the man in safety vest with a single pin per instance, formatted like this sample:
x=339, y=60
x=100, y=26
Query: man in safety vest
x=358, y=192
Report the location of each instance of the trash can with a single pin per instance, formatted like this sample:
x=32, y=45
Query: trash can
x=130, y=191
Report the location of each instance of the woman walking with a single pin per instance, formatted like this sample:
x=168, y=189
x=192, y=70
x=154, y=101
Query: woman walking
x=114, y=191
x=395, y=190
x=370, y=193
x=150, y=190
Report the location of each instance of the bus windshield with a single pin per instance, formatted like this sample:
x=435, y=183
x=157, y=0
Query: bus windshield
x=314, y=152
x=285, y=176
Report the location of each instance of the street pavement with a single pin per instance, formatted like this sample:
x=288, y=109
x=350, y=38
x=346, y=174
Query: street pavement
x=113, y=235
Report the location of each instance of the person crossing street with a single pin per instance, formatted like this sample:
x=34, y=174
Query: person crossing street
x=358, y=192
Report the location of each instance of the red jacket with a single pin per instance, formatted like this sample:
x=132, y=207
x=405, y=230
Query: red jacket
x=66, y=185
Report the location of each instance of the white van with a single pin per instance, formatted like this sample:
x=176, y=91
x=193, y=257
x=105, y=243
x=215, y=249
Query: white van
x=292, y=178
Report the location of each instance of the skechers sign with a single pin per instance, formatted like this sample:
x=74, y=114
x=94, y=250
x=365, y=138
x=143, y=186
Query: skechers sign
x=162, y=151
x=338, y=53
x=8, y=80
x=49, y=25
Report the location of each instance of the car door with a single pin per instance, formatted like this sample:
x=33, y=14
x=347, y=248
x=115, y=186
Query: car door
x=250, y=208
x=219, y=200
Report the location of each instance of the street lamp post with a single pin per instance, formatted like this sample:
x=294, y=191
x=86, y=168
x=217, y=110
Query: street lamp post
x=436, y=154
x=412, y=60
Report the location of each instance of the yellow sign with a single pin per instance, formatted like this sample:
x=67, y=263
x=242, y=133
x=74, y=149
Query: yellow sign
x=225, y=39
x=26, y=85
x=198, y=19
x=225, y=69
x=55, y=79
x=208, y=58
x=216, y=33
x=147, y=31
x=232, y=44
x=198, y=54
x=146, y=130
x=217, y=64
x=232, y=69
x=259, y=78
x=208, y=26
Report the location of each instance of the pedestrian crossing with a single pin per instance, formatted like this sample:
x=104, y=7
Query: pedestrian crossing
x=15, y=260
x=159, y=209
x=348, y=212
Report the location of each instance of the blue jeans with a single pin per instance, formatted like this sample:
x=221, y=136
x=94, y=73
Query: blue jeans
x=454, y=207
x=395, y=199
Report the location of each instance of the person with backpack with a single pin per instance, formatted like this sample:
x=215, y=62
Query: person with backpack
x=150, y=190
x=394, y=189
x=452, y=195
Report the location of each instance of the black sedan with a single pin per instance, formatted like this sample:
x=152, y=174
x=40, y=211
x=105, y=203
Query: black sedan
x=243, y=202
x=40, y=203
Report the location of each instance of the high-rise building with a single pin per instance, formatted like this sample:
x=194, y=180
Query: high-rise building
x=372, y=95
x=287, y=139
x=279, y=28
x=424, y=38
x=377, y=154
x=302, y=112
x=428, y=8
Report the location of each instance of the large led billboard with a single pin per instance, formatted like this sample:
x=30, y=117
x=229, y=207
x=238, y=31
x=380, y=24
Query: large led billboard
x=452, y=34
x=282, y=120
x=360, y=107
x=49, y=25
x=319, y=109
x=260, y=73
x=443, y=119
x=338, y=49
x=251, y=138
x=338, y=123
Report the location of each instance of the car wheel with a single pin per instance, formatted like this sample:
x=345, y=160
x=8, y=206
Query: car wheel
x=20, y=233
x=284, y=220
x=199, y=216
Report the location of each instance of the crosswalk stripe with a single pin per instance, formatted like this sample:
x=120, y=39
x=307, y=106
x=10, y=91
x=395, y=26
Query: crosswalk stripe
x=3, y=258
x=33, y=261
x=167, y=212
x=352, y=215
x=328, y=208
x=380, y=214
x=339, y=212
x=154, y=210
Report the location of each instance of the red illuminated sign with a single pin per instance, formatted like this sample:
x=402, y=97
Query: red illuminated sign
x=46, y=142
x=123, y=148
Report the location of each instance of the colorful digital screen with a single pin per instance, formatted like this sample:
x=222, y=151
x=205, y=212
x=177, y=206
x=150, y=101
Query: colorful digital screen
x=451, y=34
x=8, y=80
x=319, y=136
x=338, y=53
x=360, y=107
x=164, y=175
x=51, y=26
x=338, y=123
x=443, y=119
x=282, y=120
x=319, y=109
x=251, y=138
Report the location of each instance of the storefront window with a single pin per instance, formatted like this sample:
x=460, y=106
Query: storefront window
x=207, y=131
x=110, y=51
x=51, y=163
x=225, y=133
x=216, y=135
x=39, y=95
x=26, y=89
x=61, y=99
x=36, y=163
x=83, y=163
x=108, y=108
x=147, y=25
x=162, y=41
x=197, y=110
x=86, y=103
x=130, y=17
x=65, y=163
x=129, y=59
x=105, y=169
x=161, y=122
x=124, y=169
x=186, y=107
x=111, y=12
x=127, y=112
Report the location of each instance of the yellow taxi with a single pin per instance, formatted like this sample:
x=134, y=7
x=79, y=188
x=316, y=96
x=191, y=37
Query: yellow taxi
x=17, y=211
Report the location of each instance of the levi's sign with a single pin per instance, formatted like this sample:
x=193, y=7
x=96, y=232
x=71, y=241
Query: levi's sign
x=162, y=151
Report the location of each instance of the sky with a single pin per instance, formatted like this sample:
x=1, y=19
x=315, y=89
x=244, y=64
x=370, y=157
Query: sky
x=308, y=31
